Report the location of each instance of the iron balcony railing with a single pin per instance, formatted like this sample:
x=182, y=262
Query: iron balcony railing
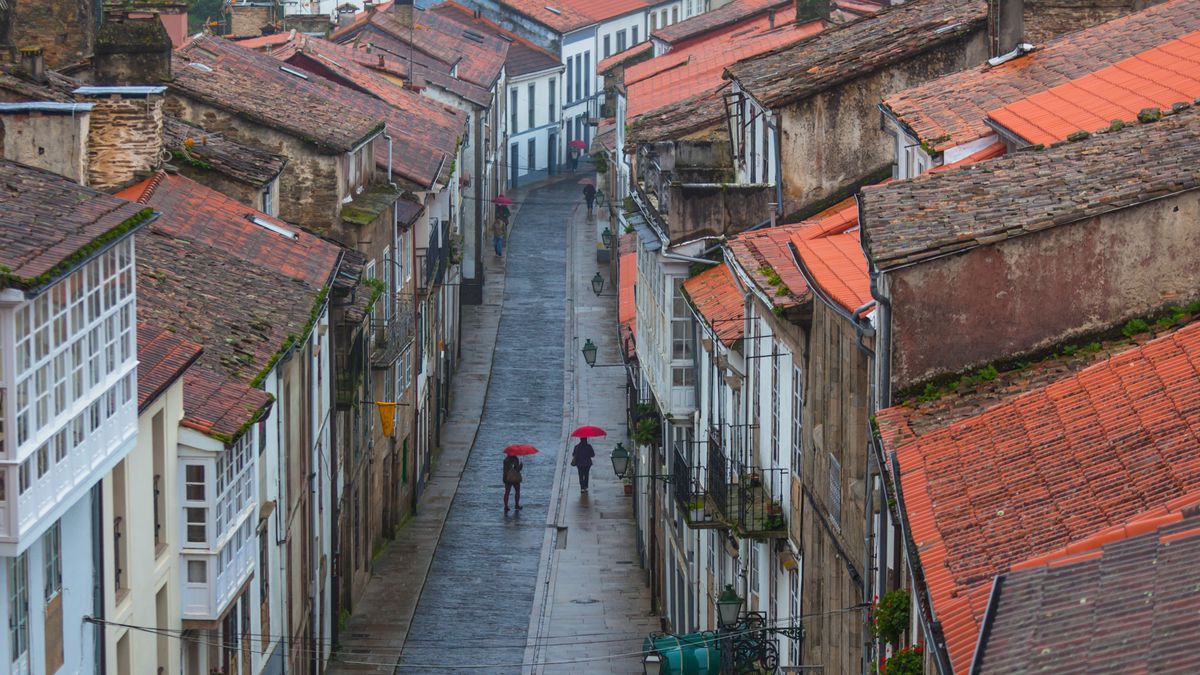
x=718, y=475
x=749, y=499
x=691, y=495
x=390, y=334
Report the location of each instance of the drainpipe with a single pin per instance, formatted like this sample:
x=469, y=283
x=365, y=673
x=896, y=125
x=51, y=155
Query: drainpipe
x=778, y=167
x=389, y=140
x=100, y=648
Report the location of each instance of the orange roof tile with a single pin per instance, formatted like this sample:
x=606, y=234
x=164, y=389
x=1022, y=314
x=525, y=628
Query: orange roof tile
x=162, y=357
x=1155, y=78
x=1053, y=465
x=717, y=298
x=724, y=19
x=567, y=15
x=620, y=57
x=657, y=87
x=766, y=252
x=950, y=110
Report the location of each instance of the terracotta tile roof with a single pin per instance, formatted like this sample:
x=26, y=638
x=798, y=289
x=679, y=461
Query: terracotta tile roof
x=573, y=14
x=844, y=52
x=626, y=308
x=220, y=407
x=681, y=92
x=831, y=252
x=727, y=17
x=250, y=84
x=239, y=162
x=717, y=299
x=950, y=110
x=949, y=211
x=425, y=132
x=523, y=56
x=997, y=149
x=193, y=262
x=45, y=220
x=1053, y=465
x=162, y=358
x=1124, y=603
x=479, y=56
x=641, y=49
x=1156, y=78
x=766, y=252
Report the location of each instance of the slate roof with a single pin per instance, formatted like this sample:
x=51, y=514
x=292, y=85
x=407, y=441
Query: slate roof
x=15, y=87
x=732, y=14
x=847, y=51
x=717, y=299
x=682, y=91
x=252, y=85
x=1041, y=469
x=239, y=162
x=206, y=271
x=162, y=357
x=1156, y=78
x=951, y=211
x=1121, y=602
x=479, y=56
x=950, y=110
x=767, y=251
x=523, y=56
x=47, y=220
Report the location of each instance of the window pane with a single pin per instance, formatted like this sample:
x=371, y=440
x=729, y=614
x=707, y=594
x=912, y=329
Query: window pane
x=197, y=572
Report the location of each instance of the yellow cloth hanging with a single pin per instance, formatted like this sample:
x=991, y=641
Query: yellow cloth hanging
x=387, y=416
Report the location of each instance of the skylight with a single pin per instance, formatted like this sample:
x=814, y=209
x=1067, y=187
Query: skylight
x=293, y=71
x=268, y=225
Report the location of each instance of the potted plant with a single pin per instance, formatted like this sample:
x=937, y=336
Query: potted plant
x=774, y=508
x=647, y=431
x=696, y=509
x=773, y=523
x=907, y=661
x=890, y=616
x=628, y=486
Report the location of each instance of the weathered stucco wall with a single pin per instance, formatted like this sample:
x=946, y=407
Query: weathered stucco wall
x=1032, y=292
x=833, y=141
x=125, y=142
x=53, y=142
x=1045, y=19
x=716, y=209
x=835, y=420
x=309, y=185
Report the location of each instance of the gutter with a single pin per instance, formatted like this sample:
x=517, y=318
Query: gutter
x=988, y=615
x=34, y=291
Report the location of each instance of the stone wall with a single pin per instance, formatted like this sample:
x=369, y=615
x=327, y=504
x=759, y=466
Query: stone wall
x=1045, y=19
x=66, y=29
x=125, y=143
x=248, y=20
x=833, y=141
x=308, y=187
x=1029, y=293
x=711, y=210
x=53, y=141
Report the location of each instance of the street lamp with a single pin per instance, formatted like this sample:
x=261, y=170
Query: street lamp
x=729, y=606
x=589, y=352
x=606, y=237
x=597, y=284
x=652, y=664
x=620, y=460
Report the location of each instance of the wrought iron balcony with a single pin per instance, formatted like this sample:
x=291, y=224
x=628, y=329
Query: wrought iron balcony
x=749, y=499
x=390, y=335
x=691, y=494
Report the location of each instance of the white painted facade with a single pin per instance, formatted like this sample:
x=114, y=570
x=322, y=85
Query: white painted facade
x=68, y=410
x=140, y=499
x=664, y=330
x=753, y=135
x=534, y=122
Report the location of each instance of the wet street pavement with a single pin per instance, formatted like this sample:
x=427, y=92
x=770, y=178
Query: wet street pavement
x=475, y=606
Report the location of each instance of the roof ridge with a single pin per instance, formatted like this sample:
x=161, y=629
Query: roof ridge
x=151, y=186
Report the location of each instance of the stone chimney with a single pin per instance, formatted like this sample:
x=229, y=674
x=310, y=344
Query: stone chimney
x=1006, y=24
x=403, y=11
x=345, y=14
x=50, y=136
x=809, y=10
x=33, y=64
x=249, y=18
x=132, y=48
x=125, y=142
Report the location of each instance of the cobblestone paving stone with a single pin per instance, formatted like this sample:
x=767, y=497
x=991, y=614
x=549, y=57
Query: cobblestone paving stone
x=476, y=603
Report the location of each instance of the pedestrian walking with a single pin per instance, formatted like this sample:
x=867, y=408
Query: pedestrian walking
x=589, y=195
x=574, y=154
x=581, y=459
x=498, y=231
x=512, y=479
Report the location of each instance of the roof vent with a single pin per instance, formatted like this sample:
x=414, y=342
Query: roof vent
x=1020, y=50
x=200, y=66
x=268, y=225
x=473, y=36
x=553, y=10
x=292, y=71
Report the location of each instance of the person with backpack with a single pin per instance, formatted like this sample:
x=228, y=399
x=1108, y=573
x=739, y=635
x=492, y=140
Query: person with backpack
x=512, y=479
x=581, y=459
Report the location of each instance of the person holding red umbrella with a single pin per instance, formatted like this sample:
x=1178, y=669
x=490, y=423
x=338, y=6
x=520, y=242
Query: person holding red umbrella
x=581, y=456
x=512, y=471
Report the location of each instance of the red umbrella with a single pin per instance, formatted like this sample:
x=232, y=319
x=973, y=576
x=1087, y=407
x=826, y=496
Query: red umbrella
x=503, y=201
x=586, y=181
x=577, y=144
x=520, y=450
x=588, y=432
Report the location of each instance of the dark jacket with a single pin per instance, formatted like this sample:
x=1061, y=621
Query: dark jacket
x=583, y=454
x=589, y=193
x=512, y=463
